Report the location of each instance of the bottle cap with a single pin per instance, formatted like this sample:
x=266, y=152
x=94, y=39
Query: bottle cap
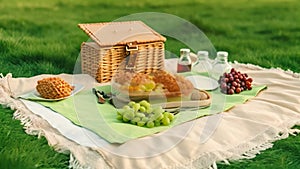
x=202, y=53
x=184, y=52
x=222, y=53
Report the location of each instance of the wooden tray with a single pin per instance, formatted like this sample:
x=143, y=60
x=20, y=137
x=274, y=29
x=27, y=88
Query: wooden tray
x=167, y=100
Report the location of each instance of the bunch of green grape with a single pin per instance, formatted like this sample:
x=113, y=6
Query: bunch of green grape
x=143, y=114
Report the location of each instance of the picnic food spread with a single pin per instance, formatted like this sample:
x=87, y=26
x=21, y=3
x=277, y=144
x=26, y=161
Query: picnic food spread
x=56, y=107
x=54, y=88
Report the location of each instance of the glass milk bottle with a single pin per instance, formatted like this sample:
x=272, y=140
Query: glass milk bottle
x=203, y=64
x=184, y=63
x=220, y=65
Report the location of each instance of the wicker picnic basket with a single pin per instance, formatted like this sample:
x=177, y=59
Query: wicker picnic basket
x=114, y=43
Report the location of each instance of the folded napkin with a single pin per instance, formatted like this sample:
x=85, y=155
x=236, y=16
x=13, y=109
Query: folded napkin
x=83, y=110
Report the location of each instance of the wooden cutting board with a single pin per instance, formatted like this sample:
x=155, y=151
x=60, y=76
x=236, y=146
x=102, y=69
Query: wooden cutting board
x=197, y=98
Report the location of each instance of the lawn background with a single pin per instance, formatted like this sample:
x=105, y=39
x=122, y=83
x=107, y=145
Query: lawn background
x=38, y=37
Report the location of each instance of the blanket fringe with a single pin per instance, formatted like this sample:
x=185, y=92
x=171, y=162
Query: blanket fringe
x=75, y=164
x=294, y=132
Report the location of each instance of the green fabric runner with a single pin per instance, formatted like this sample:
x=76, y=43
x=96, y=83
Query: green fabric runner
x=83, y=110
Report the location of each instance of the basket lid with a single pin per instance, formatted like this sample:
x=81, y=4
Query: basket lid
x=121, y=33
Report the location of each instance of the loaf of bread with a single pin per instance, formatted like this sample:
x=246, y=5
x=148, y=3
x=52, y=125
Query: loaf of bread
x=171, y=84
x=54, y=88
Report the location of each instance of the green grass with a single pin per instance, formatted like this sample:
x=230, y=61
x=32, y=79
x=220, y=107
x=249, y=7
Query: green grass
x=38, y=37
x=18, y=150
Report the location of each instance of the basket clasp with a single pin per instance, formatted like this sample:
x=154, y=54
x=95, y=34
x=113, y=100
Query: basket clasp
x=132, y=46
x=132, y=51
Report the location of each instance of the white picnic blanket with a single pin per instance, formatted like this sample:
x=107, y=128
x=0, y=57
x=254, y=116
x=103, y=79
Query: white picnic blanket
x=238, y=133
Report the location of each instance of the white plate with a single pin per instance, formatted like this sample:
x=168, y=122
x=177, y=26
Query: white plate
x=203, y=82
x=34, y=95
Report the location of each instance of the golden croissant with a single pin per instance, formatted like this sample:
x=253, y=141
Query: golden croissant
x=54, y=88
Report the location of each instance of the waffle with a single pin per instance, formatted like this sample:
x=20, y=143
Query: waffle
x=54, y=88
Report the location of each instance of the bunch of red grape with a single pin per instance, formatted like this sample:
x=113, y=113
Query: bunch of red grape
x=235, y=82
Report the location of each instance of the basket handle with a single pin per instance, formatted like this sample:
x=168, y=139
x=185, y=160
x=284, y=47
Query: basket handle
x=131, y=55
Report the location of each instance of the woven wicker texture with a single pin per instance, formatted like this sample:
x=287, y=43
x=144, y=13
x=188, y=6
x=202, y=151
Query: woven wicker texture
x=104, y=56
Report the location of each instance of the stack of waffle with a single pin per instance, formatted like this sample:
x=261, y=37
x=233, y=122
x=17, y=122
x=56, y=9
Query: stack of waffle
x=54, y=88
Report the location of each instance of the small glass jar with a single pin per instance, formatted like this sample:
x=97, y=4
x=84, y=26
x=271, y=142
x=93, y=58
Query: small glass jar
x=220, y=65
x=203, y=64
x=184, y=63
